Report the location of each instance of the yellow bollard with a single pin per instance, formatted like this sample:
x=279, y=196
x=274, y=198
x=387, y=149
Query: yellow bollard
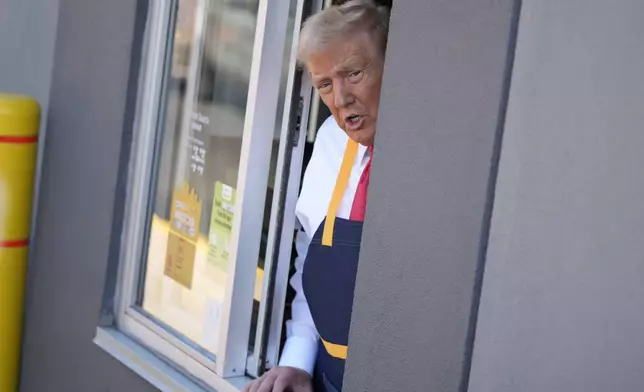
x=19, y=119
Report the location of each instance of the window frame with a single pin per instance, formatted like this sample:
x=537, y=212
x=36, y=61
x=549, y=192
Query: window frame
x=294, y=133
x=209, y=370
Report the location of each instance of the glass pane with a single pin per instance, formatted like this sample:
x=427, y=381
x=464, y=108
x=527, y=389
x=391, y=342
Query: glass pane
x=185, y=277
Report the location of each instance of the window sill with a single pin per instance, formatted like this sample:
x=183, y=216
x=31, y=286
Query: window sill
x=153, y=369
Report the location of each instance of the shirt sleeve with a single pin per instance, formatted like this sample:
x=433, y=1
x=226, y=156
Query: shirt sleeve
x=301, y=346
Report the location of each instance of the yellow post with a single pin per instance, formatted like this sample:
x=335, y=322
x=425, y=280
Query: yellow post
x=19, y=118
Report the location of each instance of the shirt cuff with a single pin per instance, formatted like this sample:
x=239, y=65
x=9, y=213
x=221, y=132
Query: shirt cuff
x=300, y=353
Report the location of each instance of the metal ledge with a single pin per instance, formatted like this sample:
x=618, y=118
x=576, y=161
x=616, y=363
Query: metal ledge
x=154, y=369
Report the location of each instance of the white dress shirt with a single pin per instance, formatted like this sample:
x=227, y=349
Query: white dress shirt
x=301, y=346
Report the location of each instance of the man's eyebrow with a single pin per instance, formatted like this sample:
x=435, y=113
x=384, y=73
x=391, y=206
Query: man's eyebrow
x=352, y=67
x=317, y=76
x=354, y=62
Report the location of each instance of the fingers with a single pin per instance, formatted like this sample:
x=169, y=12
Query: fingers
x=254, y=386
x=251, y=386
x=267, y=382
x=308, y=387
x=279, y=385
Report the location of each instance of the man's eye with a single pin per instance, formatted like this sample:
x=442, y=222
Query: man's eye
x=324, y=86
x=355, y=75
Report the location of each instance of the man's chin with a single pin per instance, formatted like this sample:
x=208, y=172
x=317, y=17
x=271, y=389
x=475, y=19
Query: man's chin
x=363, y=137
x=367, y=142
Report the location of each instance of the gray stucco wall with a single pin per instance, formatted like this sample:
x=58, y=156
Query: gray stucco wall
x=562, y=307
x=88, y=126
x=440, y=120
x=27, y=40
x=27, y=36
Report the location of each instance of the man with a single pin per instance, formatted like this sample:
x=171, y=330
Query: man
x=343, y=49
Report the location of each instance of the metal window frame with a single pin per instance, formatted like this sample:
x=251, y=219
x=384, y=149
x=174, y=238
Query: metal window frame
x=295, y=128
x=258, y=133
x=259, y=123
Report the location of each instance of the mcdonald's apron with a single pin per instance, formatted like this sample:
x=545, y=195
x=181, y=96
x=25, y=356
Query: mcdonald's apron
x=329, y=278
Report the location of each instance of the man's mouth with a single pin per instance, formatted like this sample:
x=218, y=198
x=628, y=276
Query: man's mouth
x=354, y=121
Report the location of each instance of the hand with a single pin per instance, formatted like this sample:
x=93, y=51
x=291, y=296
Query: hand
x=282, y=379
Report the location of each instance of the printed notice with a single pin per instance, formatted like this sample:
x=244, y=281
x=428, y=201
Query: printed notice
x=182, y=238
x=197, y=147
x=221, y=222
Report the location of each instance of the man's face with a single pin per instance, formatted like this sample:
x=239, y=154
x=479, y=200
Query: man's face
x=348, y=76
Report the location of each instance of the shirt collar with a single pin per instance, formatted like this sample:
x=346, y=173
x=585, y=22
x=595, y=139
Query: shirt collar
x=364, y=151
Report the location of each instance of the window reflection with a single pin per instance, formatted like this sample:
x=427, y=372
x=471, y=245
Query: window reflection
x=185, y=275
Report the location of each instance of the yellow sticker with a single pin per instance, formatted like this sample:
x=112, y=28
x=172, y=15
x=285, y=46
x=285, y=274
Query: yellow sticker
x=185, y=216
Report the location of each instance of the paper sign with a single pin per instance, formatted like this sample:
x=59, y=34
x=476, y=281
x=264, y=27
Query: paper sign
x=182, y=238
x=180, y=260
x=221, y=222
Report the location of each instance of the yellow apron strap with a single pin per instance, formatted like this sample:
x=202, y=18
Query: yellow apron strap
x=336, y=350
x=341, y=183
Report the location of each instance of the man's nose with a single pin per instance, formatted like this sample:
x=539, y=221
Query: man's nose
x=343, y=96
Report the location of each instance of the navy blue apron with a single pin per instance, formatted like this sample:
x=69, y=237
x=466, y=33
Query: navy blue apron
x=329, y=279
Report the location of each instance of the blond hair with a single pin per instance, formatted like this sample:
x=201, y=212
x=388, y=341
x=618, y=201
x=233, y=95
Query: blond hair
x=340, y=21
